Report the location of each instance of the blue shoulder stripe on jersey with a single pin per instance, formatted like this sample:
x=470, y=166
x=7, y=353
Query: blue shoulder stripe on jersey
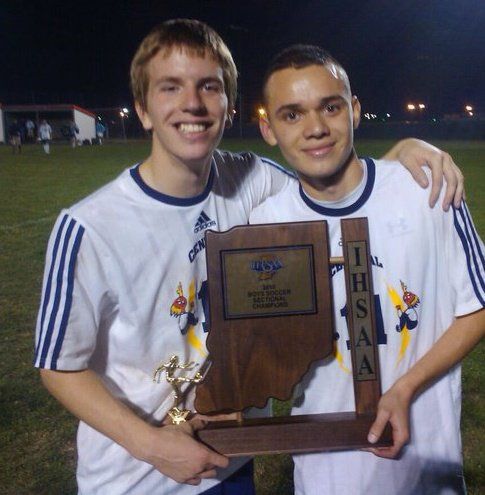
x=271, y=163
x=47, y=291
x=171, y=200
x=474, y=233
x=68, y=302
x=475, y=250
x=469, y=252
x=341, y=212
x=57, y=295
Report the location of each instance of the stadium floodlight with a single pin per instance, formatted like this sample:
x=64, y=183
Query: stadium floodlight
x=124, y=115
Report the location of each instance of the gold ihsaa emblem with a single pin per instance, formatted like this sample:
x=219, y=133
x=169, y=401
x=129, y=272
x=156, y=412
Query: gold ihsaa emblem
x=266, y=266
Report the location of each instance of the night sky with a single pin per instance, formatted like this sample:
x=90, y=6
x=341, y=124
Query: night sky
x=395, y=51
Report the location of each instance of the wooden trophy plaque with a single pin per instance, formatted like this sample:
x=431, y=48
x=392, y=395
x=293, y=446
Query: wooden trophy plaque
x=271, y=317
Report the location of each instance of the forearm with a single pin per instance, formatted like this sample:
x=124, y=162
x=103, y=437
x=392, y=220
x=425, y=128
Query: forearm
x=452, y=347
x=171, y=449
x=460, y=338
x=393, y=153
x=85, y=396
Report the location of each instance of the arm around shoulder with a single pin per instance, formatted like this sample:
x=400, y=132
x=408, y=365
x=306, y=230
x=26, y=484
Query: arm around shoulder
x=414, y=154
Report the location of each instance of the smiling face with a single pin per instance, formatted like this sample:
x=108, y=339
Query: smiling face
x=186, y=107
x=311, y=115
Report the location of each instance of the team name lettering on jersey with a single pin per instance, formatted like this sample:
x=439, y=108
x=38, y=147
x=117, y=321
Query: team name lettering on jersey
x=198, y=247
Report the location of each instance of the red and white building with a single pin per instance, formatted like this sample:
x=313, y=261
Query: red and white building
x=59, y=118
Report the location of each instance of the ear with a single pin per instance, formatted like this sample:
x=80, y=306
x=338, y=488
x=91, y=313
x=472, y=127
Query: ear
x=266, y=131
x=145, y=120
x=356, y=111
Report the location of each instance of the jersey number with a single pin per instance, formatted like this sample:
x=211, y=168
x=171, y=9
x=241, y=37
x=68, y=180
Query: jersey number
x=381, y=334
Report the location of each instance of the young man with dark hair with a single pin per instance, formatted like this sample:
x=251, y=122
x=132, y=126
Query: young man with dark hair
x=125, y=279
x=428, y=276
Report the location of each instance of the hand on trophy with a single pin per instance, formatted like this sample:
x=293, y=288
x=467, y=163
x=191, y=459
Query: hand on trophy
x=393, y=408
x=174, y=452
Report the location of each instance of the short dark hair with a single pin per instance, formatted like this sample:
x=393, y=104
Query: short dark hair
x=298, y=57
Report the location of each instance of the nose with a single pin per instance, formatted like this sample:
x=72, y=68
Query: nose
x=193, y=101
x=315, y=126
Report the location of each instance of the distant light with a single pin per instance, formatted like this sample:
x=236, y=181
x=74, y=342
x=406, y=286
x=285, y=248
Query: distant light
x=411, y=106
x=388, y=115
x=234, y=112
x=125, y=110
x=122, y=114
x=421, y=106
x=470, y=114
x=469, y=108
x=261, y=112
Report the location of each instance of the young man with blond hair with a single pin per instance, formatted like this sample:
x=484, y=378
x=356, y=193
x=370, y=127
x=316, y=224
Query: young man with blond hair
x=125, y=280
x=428, y=278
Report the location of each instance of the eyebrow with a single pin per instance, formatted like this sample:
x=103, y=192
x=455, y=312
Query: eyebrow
x=178, y=80
x=170, y=80
x=211, y=80
x=295, y=107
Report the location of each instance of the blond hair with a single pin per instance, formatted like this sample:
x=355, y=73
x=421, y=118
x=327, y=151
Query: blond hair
x=186, y=34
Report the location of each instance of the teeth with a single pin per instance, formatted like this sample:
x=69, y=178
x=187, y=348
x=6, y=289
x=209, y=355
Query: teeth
x=192, y=127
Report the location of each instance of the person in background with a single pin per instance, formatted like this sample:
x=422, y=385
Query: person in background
x=45, y=135
x=100, y=129
x=73, y=132
x=30, y=128
x=14, y=133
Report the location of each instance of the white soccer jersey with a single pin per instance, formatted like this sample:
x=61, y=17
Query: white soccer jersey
x=124, y=290
x=428, y=268
x=45, y=131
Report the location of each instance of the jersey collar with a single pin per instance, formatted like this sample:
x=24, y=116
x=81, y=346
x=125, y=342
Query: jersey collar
x=358, y=203
x=171, y=200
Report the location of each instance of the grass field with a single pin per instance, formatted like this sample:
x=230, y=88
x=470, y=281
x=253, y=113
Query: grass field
x=37, y=437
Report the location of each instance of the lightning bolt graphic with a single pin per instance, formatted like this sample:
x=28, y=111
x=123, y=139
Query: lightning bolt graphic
x=339, y=357
x=405, y=334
